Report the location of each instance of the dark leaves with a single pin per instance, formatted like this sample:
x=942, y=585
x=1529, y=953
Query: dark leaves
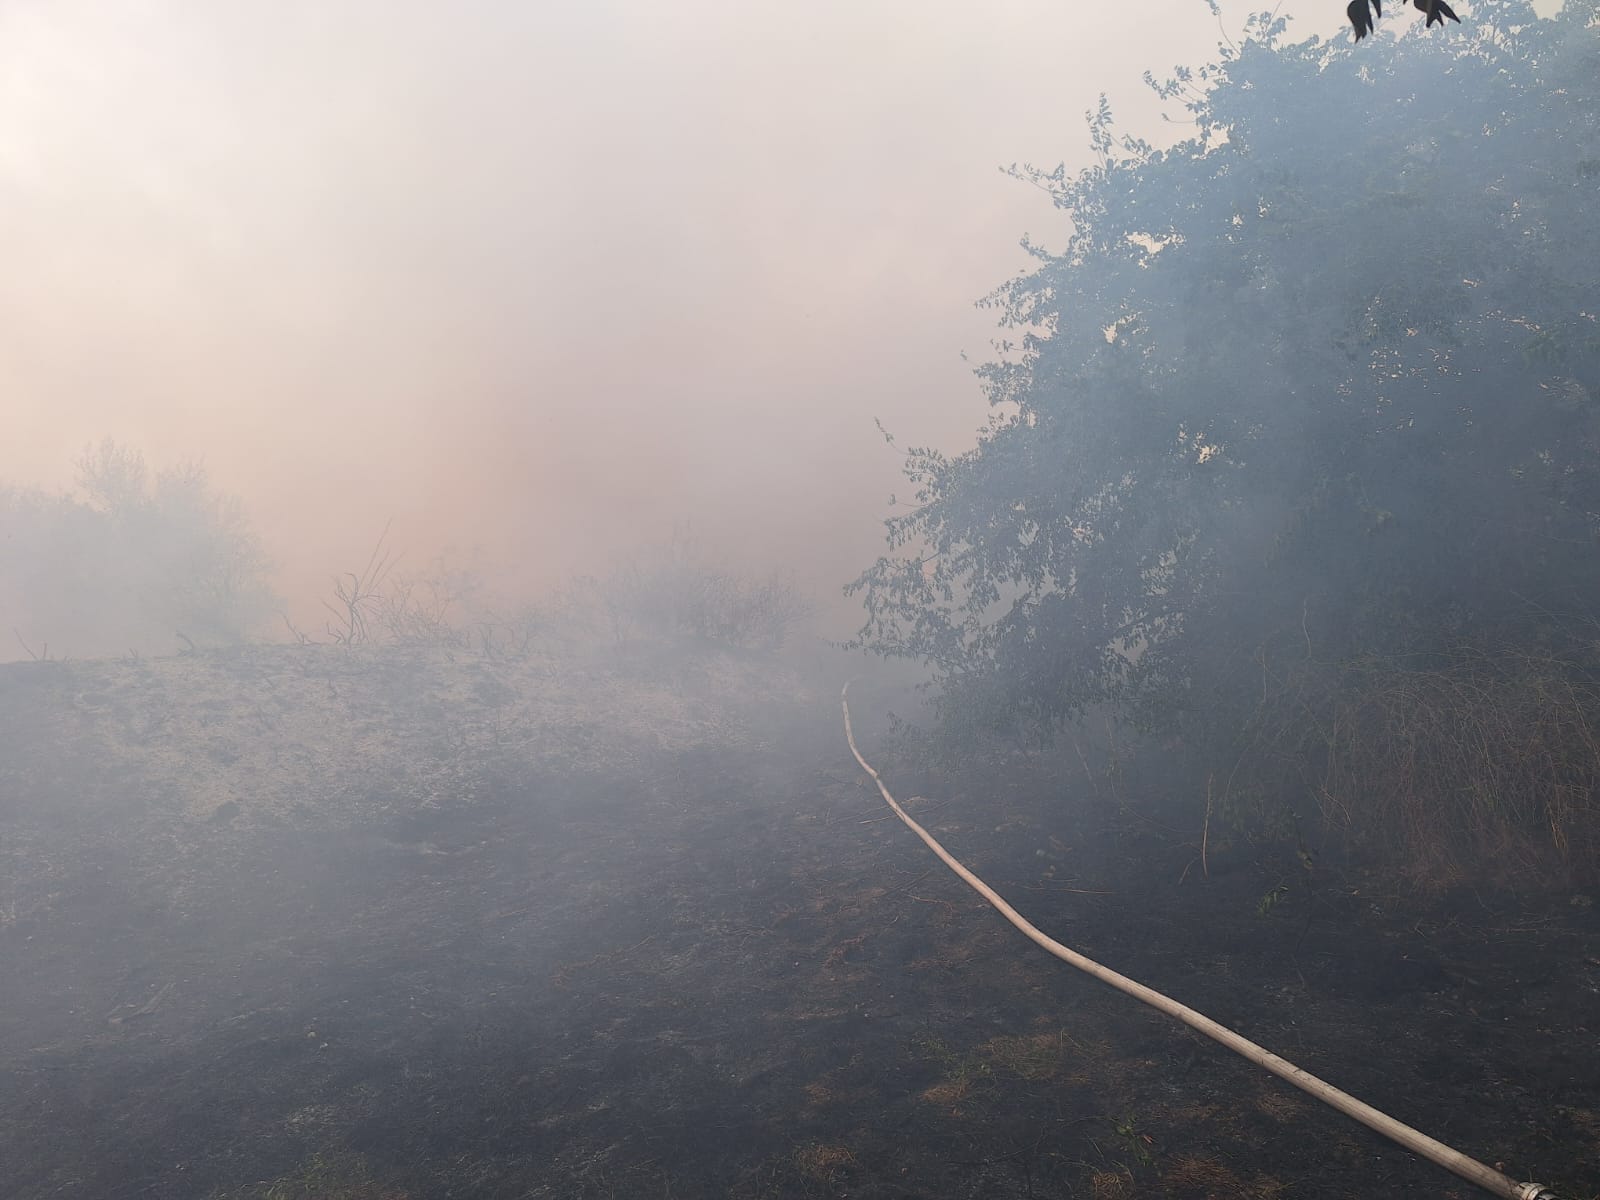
x=1437, y=11
x=1362, y=12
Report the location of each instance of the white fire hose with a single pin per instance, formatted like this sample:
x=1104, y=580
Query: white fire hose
x=1414, y=1140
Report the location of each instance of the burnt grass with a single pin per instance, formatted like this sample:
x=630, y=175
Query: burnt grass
x=723, y=970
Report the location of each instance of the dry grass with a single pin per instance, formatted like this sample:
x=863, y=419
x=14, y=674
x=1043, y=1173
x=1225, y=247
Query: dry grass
x=974, y=1077
x=1034, y=1056
x=949, y=1092
x=823, y=1160
x=1196, y=1175
x=266, y=727
x=321, y=1177
x=1280, y=1106
x=819, y=1094
x=840, y=954
x=1496, y=758
x=1471, y=765
x=1111, y=1185
x=967, y=1076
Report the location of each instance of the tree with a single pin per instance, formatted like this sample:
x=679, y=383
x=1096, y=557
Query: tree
x=1309, y=382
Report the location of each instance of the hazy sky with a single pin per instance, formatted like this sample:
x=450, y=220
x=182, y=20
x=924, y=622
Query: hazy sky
x=545, y=278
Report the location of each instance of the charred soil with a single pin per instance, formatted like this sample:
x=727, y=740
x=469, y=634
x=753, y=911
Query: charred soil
x=481, y=931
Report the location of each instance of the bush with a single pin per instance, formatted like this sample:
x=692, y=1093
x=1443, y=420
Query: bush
x=132, y=561
x=675, y=594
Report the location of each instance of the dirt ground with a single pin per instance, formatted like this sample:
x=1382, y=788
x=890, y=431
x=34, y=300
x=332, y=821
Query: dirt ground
x=309, y=924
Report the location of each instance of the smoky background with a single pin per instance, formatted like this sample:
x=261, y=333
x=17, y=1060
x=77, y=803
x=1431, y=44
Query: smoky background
x=536, y=288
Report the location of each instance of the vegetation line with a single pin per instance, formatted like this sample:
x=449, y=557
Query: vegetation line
x=1414, y=1140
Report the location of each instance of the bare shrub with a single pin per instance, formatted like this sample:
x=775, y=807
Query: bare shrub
x=442, y=607
x=424, y=611
x=515, y=635
x=358, y=597
x=438, y=608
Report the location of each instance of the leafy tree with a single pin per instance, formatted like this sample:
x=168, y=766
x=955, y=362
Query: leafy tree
x=1320, y=381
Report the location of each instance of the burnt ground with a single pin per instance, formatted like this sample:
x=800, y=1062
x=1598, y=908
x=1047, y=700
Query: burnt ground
x=705, y=966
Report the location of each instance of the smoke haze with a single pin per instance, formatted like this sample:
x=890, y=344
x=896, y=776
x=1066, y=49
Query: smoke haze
x=1253, y=650
x=545, y=280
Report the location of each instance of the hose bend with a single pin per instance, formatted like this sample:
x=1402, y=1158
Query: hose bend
x=1417, y=1142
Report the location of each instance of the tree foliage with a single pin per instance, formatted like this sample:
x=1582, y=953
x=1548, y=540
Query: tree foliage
x=1321, y=379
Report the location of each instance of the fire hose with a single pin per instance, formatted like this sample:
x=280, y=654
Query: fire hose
x=1470, y=1169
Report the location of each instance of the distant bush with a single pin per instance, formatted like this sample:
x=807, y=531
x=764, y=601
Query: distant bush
x=675, y=594
x=671, y=595
x=133, y=560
